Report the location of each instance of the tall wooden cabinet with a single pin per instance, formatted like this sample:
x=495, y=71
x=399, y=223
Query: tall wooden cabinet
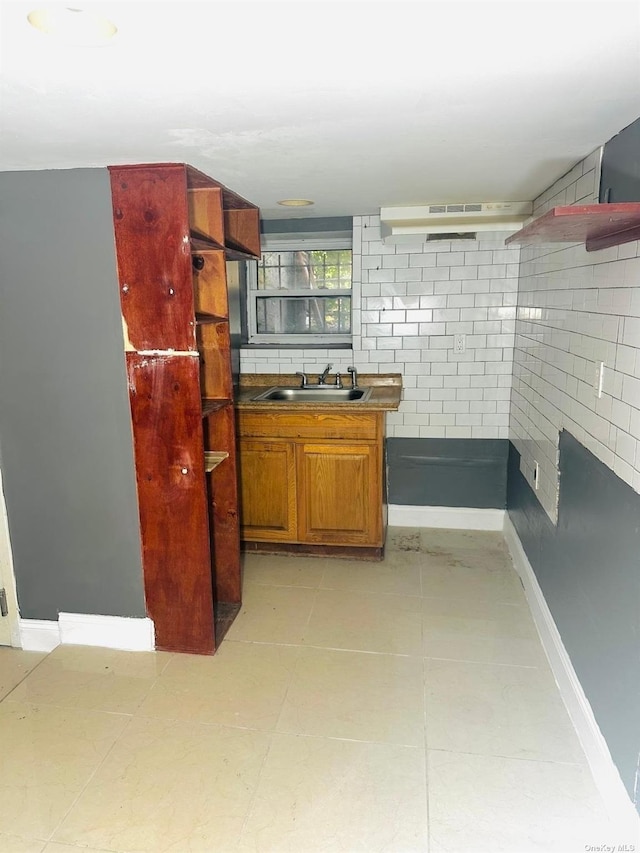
x=176, y=230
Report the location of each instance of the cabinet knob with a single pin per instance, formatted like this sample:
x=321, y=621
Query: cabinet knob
x=185, y=470
x=125, y=288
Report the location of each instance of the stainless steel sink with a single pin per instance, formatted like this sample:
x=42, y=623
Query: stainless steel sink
x=314, y=394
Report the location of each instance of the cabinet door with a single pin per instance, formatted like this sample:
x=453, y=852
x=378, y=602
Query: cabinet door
x=339, y=493
x=267, y=490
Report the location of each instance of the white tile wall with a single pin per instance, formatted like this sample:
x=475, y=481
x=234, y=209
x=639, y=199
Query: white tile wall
x=408, y=304
x=575, y=310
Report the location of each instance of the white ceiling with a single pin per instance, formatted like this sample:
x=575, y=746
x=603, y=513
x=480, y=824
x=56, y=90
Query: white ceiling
x=352, y=103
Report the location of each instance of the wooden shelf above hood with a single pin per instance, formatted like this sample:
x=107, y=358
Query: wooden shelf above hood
x=598, y=226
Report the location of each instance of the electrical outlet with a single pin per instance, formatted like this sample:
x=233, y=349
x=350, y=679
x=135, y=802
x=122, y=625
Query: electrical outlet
x=536, y=475
x=598, y=379
x=459, y=343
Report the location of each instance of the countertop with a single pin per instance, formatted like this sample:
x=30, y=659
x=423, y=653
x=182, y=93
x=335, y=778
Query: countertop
x=386, y=395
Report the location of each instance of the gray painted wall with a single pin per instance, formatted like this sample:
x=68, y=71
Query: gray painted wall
x=588, y=568
x=461, y=472
x=65, y=435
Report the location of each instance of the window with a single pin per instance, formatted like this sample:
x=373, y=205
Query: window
x=300, y=293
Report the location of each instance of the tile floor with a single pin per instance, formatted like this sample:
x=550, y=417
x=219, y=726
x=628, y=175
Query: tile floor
x=397, y=706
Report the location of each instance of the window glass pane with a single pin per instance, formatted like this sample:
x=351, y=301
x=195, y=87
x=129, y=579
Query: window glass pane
x=300, y=316
x=314, y=269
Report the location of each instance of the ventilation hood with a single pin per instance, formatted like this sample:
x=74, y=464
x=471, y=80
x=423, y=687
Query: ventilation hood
x=416, y=222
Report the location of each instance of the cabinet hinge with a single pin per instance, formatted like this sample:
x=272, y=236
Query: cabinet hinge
x=4, y=610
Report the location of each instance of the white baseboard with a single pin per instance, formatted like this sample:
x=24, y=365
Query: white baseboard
x=111, y=632
x=38, y=635
x=449, y=517
x=616, y=799
x=81, y=629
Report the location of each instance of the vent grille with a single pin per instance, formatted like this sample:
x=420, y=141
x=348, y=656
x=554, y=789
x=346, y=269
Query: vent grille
x=455, y=208
x=467, y=235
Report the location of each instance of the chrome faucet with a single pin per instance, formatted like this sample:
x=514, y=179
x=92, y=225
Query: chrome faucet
x=305, y=380
x=322, y=379
x=354, y=376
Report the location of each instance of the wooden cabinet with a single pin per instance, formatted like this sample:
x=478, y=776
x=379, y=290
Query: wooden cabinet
x=268, y=489
x=176, y=230
x=339, y=493
x=312, y=480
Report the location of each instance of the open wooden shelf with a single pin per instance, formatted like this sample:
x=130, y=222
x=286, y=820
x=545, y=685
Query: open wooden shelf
x=200, y=244
x=220, y=218
x=598, y=226
x=213, y=458
x=203, y=318
x=209, y=406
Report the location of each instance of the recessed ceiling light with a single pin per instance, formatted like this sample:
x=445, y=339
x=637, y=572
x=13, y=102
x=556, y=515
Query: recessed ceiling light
x=295, y=202
x=72, y=25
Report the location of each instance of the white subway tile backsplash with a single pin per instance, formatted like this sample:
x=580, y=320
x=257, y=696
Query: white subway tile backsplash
x=447, y=286
x=575, y=309
x=374, y=330
x=405, y=329
x=381, y=275
x=412, y=275
x=395, y=289
x=408, y=303
x=391, y=343
x=450, y=259
x=421, y=315
x=422, y=260
x=393, y=316
x=395, y=261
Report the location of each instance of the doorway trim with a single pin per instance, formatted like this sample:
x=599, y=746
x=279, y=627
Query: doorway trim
x=7, y=575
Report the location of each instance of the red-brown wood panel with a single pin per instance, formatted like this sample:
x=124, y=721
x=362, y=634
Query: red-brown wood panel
x=172, y=496
x=153, y=250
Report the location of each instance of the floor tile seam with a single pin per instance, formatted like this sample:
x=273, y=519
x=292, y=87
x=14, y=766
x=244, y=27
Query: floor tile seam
x=170, y=657
x=62, y=707
x=264, y=643
x=205, y=724
x=364, y=741
x=426, y=750
x=520, y=606
x=256, y=787
x=310, y=615
x=346, y=739
x=484, y=662
x=476, y=599
x=20, y=835
x=417, y=656
x=24, y=677
x=372, y=652
x=344, y=589
x=89, y=780
x=341, y=589
x=281, y=585
x=522, y=759
x=411, y=655
x=285, y=694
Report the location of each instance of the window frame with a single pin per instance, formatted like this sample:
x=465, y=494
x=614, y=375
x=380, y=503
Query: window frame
x=313, y=339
